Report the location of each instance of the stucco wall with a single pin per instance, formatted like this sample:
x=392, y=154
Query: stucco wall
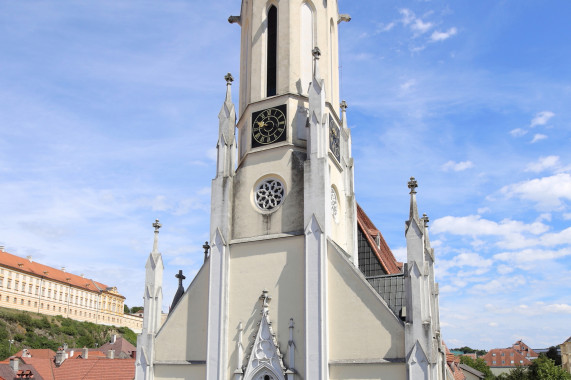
x=386, y=371
x=180, y=372
x=275, y=265
x=361, y=326
x=183, y=335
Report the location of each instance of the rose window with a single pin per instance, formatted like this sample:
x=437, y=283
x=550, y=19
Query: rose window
x=269, y=194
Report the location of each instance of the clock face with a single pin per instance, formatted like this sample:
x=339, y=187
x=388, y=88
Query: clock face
x=334, y=139
x=269, y=126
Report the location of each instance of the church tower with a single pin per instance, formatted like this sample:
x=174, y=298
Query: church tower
x=280, y=295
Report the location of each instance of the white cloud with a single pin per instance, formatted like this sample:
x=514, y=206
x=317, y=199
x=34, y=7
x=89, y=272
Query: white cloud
x=518, y=132
x=567, y=216
x=408, y=84
x=474, y=225
x=526, y=259
x=541, y=118
x=400, y=254
x=441, y=36
x=484, y=210
x=504, y=269
x=493, y=324
x=538, y=137
x=457, y=166
x=543, y=163
x=463, y=260
x=415, y=23
x=499, y=285
x=421, y=26
x=547, y=192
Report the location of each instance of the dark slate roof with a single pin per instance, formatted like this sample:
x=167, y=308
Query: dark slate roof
x=382, y=251
x=391, y=288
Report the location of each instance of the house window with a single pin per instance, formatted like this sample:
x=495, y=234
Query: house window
x=503, y=362
x=272, y=56
x=503, y=354
x=512, y=362
x=15, y=299
x=494, y=362
x=493, y=354
x=521, y=362
x=9, y=284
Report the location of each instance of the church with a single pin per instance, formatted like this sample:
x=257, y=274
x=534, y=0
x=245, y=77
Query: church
x=297, y=283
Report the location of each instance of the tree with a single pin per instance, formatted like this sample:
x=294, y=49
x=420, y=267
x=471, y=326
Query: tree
x=126, y=309
x=478, y=364
x=544, y=368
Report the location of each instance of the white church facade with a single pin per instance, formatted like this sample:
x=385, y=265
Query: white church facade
x=298, y=283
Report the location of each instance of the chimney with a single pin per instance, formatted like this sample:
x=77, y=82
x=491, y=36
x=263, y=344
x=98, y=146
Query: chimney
x=14, y=363
x=29, y=259
x=85, y=353
x=111, y=354
x=71, y=353
x=113, y=339
x=26, y=353
x=60, y=357
x=1, y=248
x=63, y=269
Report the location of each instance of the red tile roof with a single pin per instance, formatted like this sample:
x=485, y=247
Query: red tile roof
x=383, y=252
x=42, y=353
x=93, y=368
x=96, y=369
x=505, y=355
x=27, y=266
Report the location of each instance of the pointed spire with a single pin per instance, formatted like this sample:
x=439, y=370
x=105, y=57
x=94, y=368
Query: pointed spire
x=344, y=107
x=412, y=185
x=227, y=115
x=157, y=225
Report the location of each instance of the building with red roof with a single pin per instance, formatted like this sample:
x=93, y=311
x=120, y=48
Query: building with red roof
x=67, y=364
x=31, y=286
x=503, y=360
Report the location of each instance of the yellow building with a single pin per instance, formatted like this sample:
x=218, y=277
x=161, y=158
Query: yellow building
x=566, y=355
x=30, y=286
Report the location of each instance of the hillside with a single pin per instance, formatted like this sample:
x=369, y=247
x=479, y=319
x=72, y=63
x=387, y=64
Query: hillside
x=32, y=330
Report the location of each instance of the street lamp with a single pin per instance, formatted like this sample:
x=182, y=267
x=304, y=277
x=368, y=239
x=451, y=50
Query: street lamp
x=11, y=343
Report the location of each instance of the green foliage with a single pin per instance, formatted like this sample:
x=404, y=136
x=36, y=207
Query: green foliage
x=128, y=334
x=31, y=330
x=126, y=309
x=541, y=368
x=478, y=364
x=135, y=309
x=469, y=350
x=544, y=368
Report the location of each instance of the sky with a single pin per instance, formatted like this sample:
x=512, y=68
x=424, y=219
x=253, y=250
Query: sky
x=108, y=120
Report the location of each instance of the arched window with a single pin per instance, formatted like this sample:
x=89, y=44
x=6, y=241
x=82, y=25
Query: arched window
x=272, y=58
x=306, y=46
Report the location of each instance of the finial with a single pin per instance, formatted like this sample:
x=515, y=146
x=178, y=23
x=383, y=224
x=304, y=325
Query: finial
x=229, y=79
x=180, y=277
x=344, y=106
x=157, y=225
x=316, y=52
x=206, y=248
x=412, y=185
x=425, y=219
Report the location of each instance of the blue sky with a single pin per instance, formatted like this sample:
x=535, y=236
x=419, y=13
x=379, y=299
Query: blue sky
x=108, y=120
